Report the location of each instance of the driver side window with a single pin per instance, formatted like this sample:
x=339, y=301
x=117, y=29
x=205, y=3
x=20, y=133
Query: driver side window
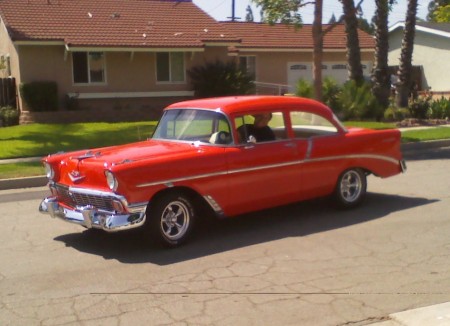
x=260, y=127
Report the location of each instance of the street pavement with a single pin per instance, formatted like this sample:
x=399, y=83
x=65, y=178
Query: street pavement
x=303, y=264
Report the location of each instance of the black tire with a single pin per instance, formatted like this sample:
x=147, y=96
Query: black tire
x=170, y=219
x=351, y=188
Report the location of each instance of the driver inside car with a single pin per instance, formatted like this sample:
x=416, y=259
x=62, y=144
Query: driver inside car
x=259, y=130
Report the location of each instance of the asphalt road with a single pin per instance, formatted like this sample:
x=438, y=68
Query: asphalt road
x=303, y=264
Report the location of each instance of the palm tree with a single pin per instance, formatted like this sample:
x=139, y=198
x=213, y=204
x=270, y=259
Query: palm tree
x=353, y=49
x=405, y=67
x=380, y=75
x=317, y=35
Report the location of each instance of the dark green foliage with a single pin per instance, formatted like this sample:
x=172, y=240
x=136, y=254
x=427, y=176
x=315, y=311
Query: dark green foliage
x=394, y=113
x=330, y=93
x=304, y=89
x=40, y=95
x=358, y=103
x=350, y=101
x=220, y=79
x=9, y=116
x=439, y=109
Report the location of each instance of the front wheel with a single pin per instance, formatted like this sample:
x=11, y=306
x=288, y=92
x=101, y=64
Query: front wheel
x=170, y=219
x=351, y=188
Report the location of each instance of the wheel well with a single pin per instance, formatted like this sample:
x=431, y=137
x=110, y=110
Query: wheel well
x=201, y=206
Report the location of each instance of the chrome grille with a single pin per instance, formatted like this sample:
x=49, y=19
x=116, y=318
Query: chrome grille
x=74, y=199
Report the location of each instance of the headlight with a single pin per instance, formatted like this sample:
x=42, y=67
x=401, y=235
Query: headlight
x=49, y=172
x=111, y=180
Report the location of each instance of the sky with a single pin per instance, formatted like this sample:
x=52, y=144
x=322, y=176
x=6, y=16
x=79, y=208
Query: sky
x=221, y=10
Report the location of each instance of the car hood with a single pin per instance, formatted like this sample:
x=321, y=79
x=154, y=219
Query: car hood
x=115, y=155
x=87, y=167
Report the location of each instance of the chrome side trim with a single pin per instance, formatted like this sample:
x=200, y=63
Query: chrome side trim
x=214, y=205
x=269, y=166
x=371, y=156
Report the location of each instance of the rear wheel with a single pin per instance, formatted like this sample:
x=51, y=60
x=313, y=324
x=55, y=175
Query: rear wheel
x=170, y=219
x=351, y=188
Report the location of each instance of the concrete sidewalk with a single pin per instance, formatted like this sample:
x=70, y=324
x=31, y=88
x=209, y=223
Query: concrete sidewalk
x=436, y=315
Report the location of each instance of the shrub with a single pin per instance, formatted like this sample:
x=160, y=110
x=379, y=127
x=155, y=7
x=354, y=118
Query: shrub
x=304, y=89
x=220, y=79
x=330, y=93
x=358, y=102
x=394, y=113
x=439, y=109
x=40, y=95
x=9, y=116
x=419, y=107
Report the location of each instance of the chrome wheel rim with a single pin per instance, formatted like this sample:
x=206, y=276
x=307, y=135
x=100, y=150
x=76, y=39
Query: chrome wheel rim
x=175, y=220
x=351, y=186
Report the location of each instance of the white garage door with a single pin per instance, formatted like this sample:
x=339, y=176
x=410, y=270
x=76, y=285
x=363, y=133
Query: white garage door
x=337, y=70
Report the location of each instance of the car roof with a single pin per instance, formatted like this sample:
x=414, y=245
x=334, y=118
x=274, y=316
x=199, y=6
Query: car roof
x=234, y=105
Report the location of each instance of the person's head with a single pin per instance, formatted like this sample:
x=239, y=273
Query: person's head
x=261, y=120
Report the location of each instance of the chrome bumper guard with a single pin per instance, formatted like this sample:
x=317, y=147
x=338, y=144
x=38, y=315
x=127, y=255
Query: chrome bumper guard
x=90, y=217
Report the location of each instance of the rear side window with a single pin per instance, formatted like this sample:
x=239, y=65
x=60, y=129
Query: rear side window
x=306, y=124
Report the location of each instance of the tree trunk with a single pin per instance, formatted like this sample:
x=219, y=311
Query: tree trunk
x=355, y=70
x=405, y=67
x=380, y=76
x=318, y=49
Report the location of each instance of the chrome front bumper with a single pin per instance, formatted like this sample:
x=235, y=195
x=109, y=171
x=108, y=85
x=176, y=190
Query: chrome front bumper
x=90, y=217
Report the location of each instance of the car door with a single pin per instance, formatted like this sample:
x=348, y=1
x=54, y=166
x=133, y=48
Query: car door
x=263, y=174
x=322, y=161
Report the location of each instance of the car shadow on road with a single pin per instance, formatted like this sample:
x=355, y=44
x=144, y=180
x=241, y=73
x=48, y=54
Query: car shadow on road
x=216, y=236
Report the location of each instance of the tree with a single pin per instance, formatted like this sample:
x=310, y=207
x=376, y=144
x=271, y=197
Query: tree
x=332, y=19
x=287, y=12
x=353, y=50
x=433, y=6
x=249, y=15
x=442, y=14
x=405, y=68
x=380, y=75
x=363, y=24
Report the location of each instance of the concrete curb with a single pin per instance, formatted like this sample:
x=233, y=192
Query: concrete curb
x=420, y=146
x=40, y=181
x=17, y=183
x=435, y=315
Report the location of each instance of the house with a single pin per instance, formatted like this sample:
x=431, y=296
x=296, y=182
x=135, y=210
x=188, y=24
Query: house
x=281, y=54
x=431, y=54
x=134, y=54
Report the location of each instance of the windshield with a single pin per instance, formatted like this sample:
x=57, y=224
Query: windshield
x=194, y=125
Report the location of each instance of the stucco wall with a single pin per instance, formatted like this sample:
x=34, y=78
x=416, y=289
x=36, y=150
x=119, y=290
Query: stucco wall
x=432, y=52
x=125, y=72
x=273, y=68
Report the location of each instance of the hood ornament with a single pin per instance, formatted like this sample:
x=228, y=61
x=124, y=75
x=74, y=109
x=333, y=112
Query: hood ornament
x=76, y=176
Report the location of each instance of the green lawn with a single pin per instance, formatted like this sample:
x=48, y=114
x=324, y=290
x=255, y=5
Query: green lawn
x=43, y=139
x=426, y=134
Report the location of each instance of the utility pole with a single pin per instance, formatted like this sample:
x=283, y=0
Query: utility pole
x=233, y=16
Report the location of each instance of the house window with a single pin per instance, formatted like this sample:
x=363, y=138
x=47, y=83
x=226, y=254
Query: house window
x=248, y=64
x=88, y=67
x=339, y=67
x=170, y=67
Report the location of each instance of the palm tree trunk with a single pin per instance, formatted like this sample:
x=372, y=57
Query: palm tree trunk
x=380, y=75
x=405, y=67
x=353, y=50
x=318, y=49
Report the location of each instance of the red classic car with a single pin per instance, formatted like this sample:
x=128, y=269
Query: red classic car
x=231, y=155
